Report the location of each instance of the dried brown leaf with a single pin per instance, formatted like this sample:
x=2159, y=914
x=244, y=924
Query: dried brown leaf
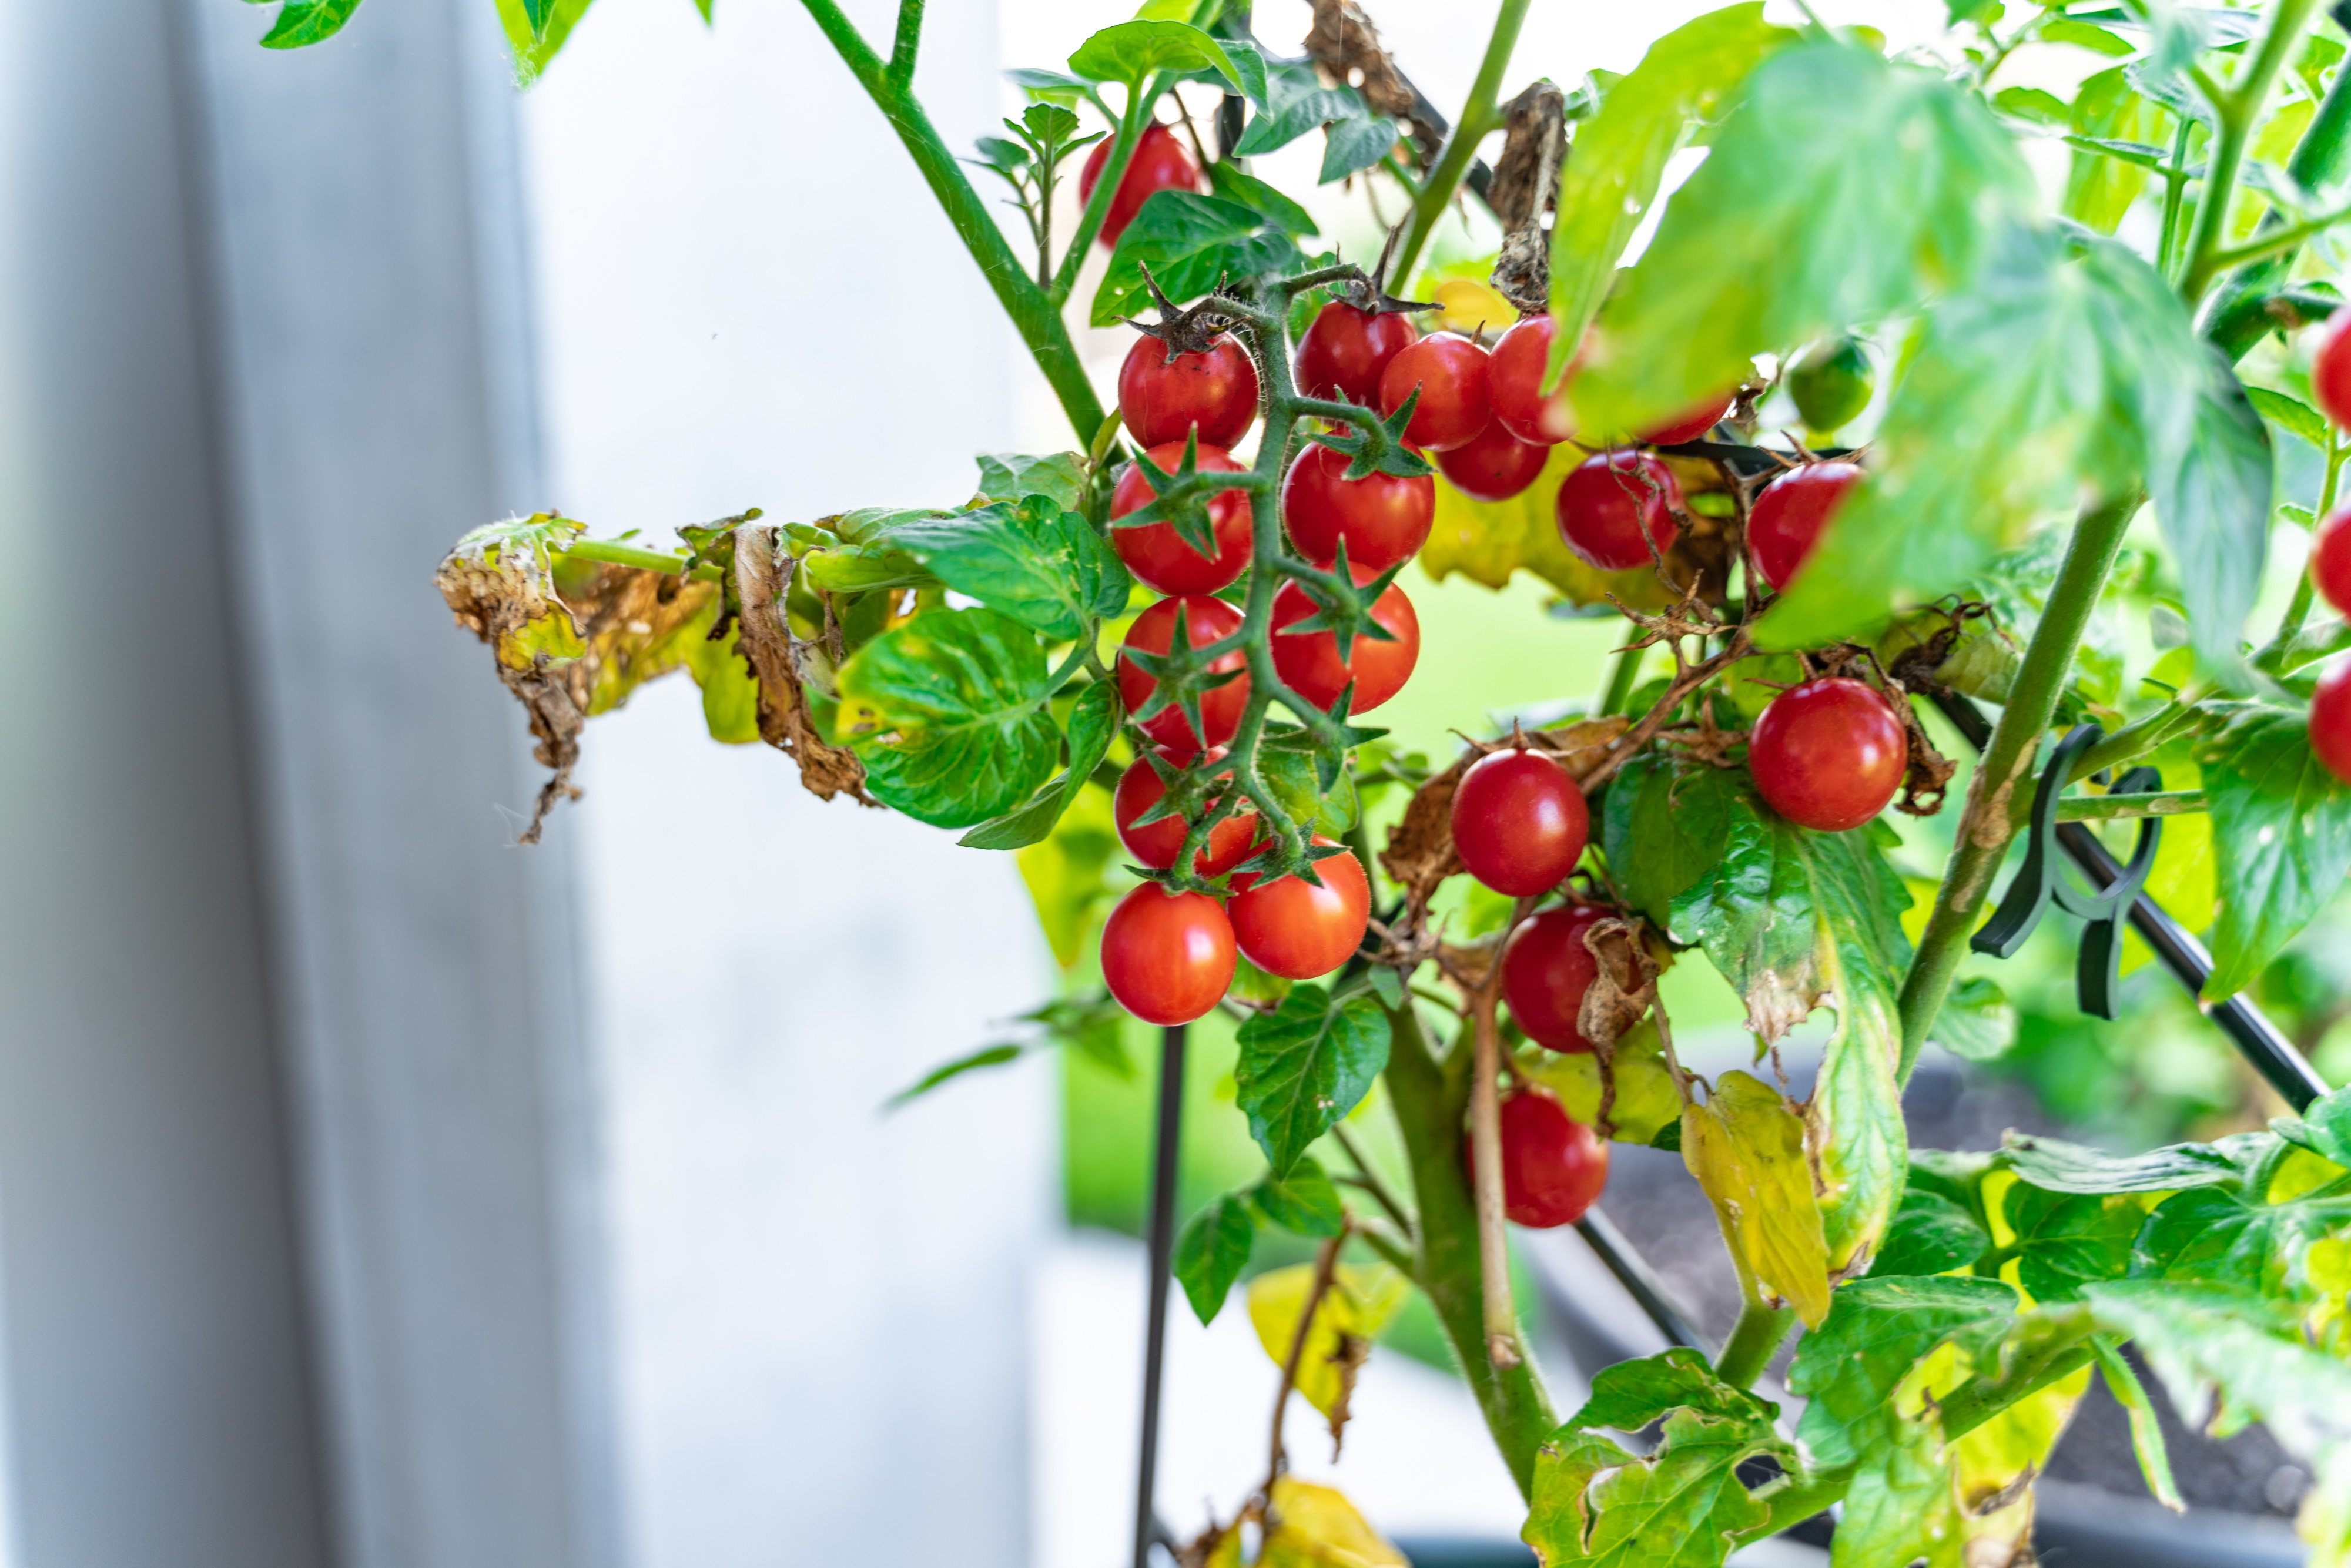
x=826, y=769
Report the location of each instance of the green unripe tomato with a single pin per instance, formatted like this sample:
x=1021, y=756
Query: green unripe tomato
x=1831, y=382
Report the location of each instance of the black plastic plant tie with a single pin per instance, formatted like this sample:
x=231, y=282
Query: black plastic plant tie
x=1162, y=1246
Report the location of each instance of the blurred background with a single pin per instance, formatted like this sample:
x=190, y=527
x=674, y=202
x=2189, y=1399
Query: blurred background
x=374, y=1192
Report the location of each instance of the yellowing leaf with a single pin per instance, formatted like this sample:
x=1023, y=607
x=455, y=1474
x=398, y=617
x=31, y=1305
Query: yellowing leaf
x=1469, y=307
x=1645, y=1097
x=1317, y=1527
x=1360, y=1301
x=1064, y=873
x=1996, y=1463
x=1746, y=1148
x=1486, y=541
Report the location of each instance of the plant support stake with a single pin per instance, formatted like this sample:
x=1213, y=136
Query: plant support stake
x=1162, y=1246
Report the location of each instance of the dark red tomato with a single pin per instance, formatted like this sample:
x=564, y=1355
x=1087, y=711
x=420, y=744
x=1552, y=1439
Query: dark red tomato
x=1454, y=407
x=2330, y=720
x=1162, y=399
x=1691, y=425
x=1344, y=351
x=1167, y=957
x=1309, y=661
x=1383, y=519
x=1299, y=932
x=1553, y=1167
x=2330, y=370
x=1518, y=822
x=1161, y=163
x=1204, y=621
x=1547, y=968
x=1829, y=754
x=1496, y=467
x=1514, y=382
x=1156, y=844
x=1788, y=517
x=2330, y=559
x=1608, y=501
x=1156, y=553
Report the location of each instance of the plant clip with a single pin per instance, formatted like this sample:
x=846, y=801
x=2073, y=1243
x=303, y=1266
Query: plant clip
x=2040, y=881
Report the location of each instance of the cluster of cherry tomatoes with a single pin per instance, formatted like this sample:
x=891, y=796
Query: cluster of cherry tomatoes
x=2330, y=552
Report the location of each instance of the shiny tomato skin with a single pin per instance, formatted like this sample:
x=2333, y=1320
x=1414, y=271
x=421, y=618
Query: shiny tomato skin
x=2330, y=369
x=1205, y=621
x=1156, y=553
x=1520, y=823
x=1495, y=466
x=1514, y=385
x=1608, y=501
x=1168, y=957
x=1161, y=163
x=1785, y=524
x=1553, y=1167
x=1829, y=754
x=2330, y=559
x=2330, y=720
x=1383, y=519
x=1344, y=352
x=1547, y=968
x=1299, y=932
x=1454, y=407
x=1692, y=424
x=1161, y=400
x=1309, y=661
x=1156, y=844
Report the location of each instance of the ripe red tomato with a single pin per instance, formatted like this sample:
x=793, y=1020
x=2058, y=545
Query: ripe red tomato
x=2330, y=370
x=1553, y=1167
x=1345, y=349
x=1519, y=821
x=1156, y=553
x=2330, y=559
x=1299, y=932
x=1829, y=754
x=1156, y=844
x=1383, y=519
x=1309, y=661
x=1161, y=163
x=1787, y=518
x=1162, y=399
x=1514, y=382
x=1609, y=499
x=1167, y=957
x=1205, y=621
x=1692, y=424
x=1547, y=968
x=1495, y=466
x=1454, y=407
x=2330, y=720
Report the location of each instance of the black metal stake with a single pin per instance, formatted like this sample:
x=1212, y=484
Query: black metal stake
x=1640, y=1281
x=1163, y=1247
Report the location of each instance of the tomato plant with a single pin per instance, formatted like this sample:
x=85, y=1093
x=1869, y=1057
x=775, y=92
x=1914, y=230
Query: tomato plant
x=2058, y=507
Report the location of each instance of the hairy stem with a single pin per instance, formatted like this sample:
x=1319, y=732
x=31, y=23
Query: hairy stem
x=2236, y=317
x=1499, y=1313
x=1477, y=117
x=1326, y=1269
x=2239, y=108
x=1754, y=1339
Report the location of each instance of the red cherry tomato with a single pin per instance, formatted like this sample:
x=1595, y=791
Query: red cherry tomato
x=1829, y=754
x=1161, y=163
x=1451, y=371
x=1345, y=349
x=1547, y=968
x=1553, y=1167
x=1514, y=382
x=1520, y=823
x=1299, y=932
x=2330, y=720
x=1691, y=426
x=1156, y=553
x=1156, y=844
x=1495, y=466
x=1383, y=519
x=2330, y=559
x=1309, y=661
x=1788, y=517
x=2330, y=370
x=1205, y=621
x=1162, y=399
x=1608, y=501
x=1167, y=957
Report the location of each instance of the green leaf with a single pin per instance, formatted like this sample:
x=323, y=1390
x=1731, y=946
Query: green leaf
x=704, y=7
x=1841, y=190
x=1251, y=192
x=1305, y=1065
x=986, y=1056
x=2055, y=1165
x=2324, y=1127
x=1876, y=1331
x=1010, y=475
x=536, y=41
x=2064, y=30
x=1300, y=104
x=1930, y=1235
x=2290, y=415
x=1665, y=825
x=1746, y=1148
x=1901, y=1506
x=730, y=697
x=1066, y=873
x=2031, y=103
x=947, y=713
x=1351, y=145
x=2212, y=491
x=1976, y=1023
x=1044, y=566
x=1191, y=243
x=2065, y=1241
x=2282, y=831
x=2208, y=1341
x=304, y=22
x=1628, y=1395
x=1130, y=51
x=1095, y=719
x=1303, y=1201
x=1211, y=1253
x=1286, y=761
x=2145, y=1430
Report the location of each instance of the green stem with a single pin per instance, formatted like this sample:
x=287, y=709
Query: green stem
x=2174, y=190
x=1430, y=1105
x=1621, y=679
x=611, y=552
x=1033, y=315
x=2238, y=316
x=1460, y=148
x=2238, y=112
x=1097, y=207
x=909, y=39
x=1754, y=1339
x=1986, y=826
x=2278, y=240
x=2122, y=808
